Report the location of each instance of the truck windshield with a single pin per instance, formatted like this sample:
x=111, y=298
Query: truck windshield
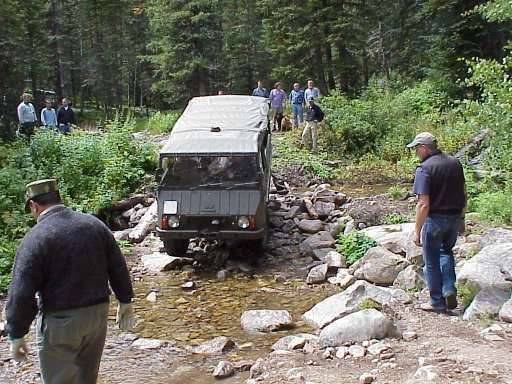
x=205, y=171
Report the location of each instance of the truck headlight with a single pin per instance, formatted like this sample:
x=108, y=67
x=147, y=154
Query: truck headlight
x=174, y=221
x=243, y=222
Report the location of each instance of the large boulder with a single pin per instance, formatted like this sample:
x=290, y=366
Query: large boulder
x=506, y=312
x=487, y=302
x=397, y=238
x=322, y=239
x=324, y=209
x=292, y=342
x=357, y=327
x=160, y=262
x=335, y=260
x=348, y=301
x=380, y=266
x=215, y=346
x=495, y=236
x=264, y=320
x=410, y=279
x=317, y=274
x=489, y=268
x=311, y=226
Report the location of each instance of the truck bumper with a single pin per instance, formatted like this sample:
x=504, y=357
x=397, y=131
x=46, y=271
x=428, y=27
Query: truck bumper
x=165, y=234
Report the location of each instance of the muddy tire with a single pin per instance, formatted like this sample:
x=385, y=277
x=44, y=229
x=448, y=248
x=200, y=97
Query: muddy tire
x=176, y=247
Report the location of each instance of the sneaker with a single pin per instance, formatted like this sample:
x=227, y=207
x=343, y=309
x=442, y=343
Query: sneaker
x=451, y=301
x=427, y=307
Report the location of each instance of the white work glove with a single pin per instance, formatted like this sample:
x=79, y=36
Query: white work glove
x=19, y=350
x=125, y=318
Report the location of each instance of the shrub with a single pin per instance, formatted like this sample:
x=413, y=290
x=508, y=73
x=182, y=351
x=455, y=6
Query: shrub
x=354, y=246
x=162, y=122
x=495, y=207
x=93, y=171
x=466, y=293
x=396, y=192
x=394, y=218
x=370, y=304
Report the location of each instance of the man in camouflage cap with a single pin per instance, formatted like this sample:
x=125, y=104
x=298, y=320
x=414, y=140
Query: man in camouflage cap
x=68, y=259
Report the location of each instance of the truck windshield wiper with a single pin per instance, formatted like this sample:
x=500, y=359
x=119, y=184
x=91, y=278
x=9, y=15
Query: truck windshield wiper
x=243, y=184
x=207, y=185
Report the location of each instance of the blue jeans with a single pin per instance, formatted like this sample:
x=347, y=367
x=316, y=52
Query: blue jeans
x=298, y=114
x=438, y=236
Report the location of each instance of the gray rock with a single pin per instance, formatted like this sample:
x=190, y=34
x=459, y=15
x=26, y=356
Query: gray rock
x=147, y=344
x=467, y=250
x=356, y=351
x=336, y=228
x=409, y=335
x=292, y=212
x=356, y=327
x=328, y=353
x=378, y=348
x=317, y=274
x=321, y=253
x=425, y=374
x=366, y=378
x=380, y=266
x=495, y=236
x=292, y=342
x=411, y=278
x=349, y=227
x=159, y=262
x=151, y=297
x=122, y=235
x=341, y=352
x=311, y=226
x=487, y=302
x=264, y=320
x=488, y=268
x=324, y=209
x=346, y=302
x=222, y=275
x=319, y=240
x=342, y=278
x=506, y=312
x=215, y=346
x=257, y=369
x=335, y=260
x=223, y=369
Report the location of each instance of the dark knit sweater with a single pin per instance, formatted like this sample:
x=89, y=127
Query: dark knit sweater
x=69, y=258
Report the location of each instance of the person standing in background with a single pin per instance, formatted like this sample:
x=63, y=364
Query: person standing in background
x=277, y=97
x=48, y=116
x=26, y=116
x=312, y=91
x=296, y=99
x=65, y=116
x=259, y=90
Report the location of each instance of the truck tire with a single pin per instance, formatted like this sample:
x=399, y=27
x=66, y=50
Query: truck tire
x=176, y=247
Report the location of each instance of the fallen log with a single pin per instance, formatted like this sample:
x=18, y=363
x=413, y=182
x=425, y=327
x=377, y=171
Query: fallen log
x=127, y=204
x=146, y=224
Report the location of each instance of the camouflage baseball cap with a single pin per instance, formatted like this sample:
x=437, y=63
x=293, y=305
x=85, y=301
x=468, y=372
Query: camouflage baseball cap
x=423, y=138
x=39, y=187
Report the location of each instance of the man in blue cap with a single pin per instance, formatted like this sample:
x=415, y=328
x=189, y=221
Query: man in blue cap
x=440, y=187
x=68, y=259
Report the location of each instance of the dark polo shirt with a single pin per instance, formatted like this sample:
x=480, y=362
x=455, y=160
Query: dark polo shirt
x=441, y=177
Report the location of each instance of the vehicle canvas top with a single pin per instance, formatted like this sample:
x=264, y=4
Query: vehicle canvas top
x=241, y=120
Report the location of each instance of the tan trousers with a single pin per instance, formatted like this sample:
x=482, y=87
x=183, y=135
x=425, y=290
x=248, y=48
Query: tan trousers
x=70, y=344
x=310, y=132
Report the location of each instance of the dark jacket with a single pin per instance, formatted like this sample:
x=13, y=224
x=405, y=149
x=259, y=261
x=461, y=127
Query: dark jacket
x=65, y=117
x=69, y=258
x=314, y=113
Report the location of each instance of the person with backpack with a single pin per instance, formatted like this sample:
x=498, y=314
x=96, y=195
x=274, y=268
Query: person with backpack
x=314, y=115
